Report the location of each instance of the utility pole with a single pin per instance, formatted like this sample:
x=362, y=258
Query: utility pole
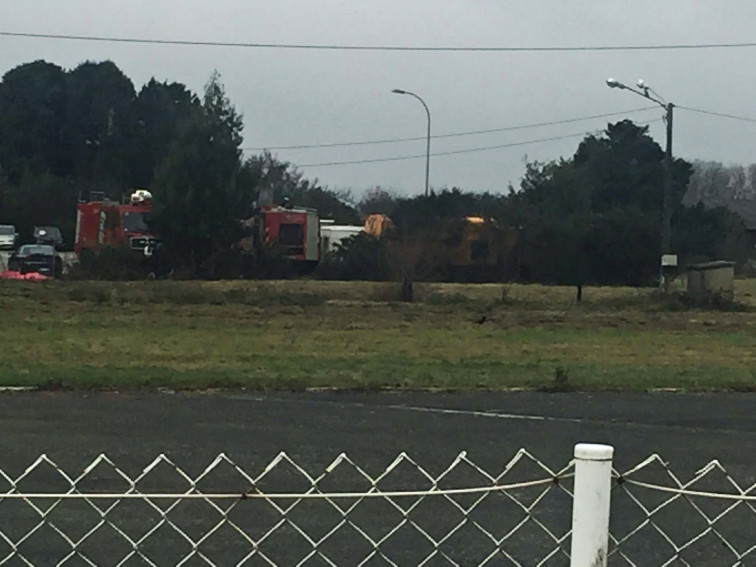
x=668, y=259
x=666, y=231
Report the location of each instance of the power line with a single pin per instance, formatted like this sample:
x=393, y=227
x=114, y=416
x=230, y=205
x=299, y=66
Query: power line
x=335, y=47
x=456, y=152
x=452, y=135
x=722, y=114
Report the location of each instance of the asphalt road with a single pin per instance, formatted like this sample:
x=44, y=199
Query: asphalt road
x=687, y=430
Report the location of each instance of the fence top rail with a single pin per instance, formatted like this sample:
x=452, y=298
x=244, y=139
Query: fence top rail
x=278, y=495
x=741, y=494
x=694, y=493
x=552, y=477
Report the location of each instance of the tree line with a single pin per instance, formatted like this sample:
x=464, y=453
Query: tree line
x=65, y=134
x=592, y=218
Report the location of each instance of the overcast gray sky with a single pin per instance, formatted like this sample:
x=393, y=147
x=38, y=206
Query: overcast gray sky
x=293, y=97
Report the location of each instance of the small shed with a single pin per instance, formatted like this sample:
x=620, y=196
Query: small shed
x=711, y=279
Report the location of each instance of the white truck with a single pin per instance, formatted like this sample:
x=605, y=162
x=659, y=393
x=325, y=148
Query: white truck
x=332, y=234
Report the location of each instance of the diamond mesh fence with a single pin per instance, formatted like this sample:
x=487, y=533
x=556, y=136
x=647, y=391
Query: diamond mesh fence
x=659, y=519
x=286, y=515
x=343, y=514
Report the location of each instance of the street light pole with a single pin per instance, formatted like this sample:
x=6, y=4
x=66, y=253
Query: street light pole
x=667, y=229
x=667, y=258
x=428, y=139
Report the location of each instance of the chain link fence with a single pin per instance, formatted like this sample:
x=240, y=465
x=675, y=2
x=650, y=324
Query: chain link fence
x=660, y=519
x=342, y=514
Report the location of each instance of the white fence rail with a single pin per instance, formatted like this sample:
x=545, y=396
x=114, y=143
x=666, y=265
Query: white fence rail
x=405, y=514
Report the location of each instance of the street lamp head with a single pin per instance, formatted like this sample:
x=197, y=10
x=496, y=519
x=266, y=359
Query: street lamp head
x=641, y=84
x=612, y=83
x=427, y=144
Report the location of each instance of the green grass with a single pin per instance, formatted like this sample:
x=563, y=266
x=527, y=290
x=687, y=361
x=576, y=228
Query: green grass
x=310, y=334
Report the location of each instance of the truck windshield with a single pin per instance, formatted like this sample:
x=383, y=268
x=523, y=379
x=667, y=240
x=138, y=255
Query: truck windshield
x=7, y=230
x=134, y=222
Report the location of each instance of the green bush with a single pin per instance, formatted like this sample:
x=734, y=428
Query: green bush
x=110, y=263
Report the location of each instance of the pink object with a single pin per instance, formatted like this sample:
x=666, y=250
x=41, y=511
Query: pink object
x=31, y=277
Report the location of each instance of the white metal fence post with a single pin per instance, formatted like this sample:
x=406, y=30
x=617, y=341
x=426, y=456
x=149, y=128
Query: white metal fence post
x=590, y=508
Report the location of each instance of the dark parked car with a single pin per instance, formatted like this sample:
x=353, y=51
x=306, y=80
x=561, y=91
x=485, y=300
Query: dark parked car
x=48, y=235
x=39, y=258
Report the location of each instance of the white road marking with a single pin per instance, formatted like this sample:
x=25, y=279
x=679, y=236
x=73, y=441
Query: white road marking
x=491, y=414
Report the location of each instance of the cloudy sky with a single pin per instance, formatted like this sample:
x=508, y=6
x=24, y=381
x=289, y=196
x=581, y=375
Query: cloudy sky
x=309, y=97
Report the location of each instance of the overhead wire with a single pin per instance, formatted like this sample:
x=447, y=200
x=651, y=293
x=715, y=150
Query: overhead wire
x=451, y=135
x=464, y=151
x=720, y=114
x=501, y=146
x=342, y=47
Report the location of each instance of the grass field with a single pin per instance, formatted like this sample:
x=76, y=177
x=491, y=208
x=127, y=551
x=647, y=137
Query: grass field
x=356, y=335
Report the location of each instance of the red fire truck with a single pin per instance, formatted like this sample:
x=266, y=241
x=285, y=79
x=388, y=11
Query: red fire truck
x=102, y=223
x=295, y=230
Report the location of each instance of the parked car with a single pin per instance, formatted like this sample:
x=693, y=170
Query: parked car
x=8, y=237
x=48, y=235
x=39, y=258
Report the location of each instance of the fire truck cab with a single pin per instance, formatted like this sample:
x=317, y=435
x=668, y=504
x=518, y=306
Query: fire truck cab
x=102, y=223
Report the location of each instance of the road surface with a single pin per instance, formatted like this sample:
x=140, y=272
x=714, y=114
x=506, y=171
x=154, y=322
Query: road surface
x=313, y=428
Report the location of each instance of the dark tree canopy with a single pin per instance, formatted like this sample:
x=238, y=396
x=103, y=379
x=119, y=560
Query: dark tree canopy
x=159, y=109
x=377, y=200
x=198, y=202
x=33, y=121
x=100, y=128
x=597, y=217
